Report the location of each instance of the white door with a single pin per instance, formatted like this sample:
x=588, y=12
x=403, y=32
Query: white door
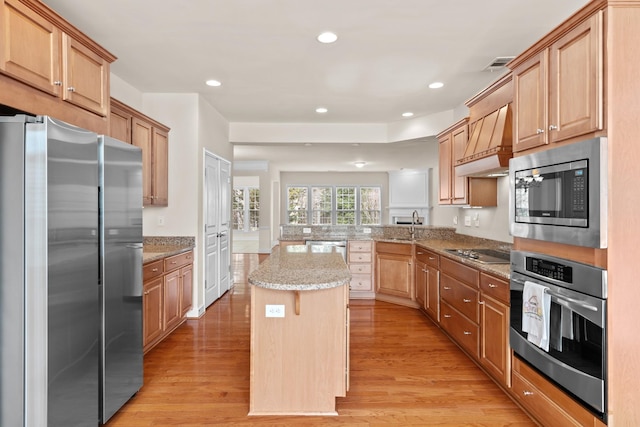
x=212, y=217
x=224, y=266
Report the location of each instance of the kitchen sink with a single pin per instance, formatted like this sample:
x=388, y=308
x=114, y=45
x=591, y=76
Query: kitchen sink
x=485, y=256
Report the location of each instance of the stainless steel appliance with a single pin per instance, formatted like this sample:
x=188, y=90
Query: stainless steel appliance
x=560, y=194
x=576, y=359
x=70, y=270
x=340, y=246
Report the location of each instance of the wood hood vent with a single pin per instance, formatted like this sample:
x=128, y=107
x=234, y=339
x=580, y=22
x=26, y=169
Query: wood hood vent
x=490, y=145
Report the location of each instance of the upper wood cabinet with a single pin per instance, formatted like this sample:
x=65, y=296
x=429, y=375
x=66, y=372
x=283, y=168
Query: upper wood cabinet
x=558, y=90
x=43, y=51
x=133, y=127
x=461, y=190
x=453, y=142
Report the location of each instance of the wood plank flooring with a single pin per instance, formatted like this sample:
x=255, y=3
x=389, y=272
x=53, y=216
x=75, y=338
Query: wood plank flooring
x=404, y=372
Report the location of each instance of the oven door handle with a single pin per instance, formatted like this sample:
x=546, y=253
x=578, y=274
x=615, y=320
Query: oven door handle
x=563, y=298
x=571, y=300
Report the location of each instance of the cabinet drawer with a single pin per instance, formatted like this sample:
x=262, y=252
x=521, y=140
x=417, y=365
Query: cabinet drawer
x=152, y=269
x=360, y=268
x=359, y=257
x=394, y=248
x=176, y=261
x=497, y=288
x=427, y=257
x=546, y=402
x=466, y=274
x=460, y=296
x=465, y=332
x=361, y=282
x=358, y=246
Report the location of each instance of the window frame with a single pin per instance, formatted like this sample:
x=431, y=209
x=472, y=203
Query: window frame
x=309, y=212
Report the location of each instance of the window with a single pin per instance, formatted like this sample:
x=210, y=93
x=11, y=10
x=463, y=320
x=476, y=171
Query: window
x=297, y=209
x=321, y=205
x=370, y=209
x=246, y=209
x=340, y=205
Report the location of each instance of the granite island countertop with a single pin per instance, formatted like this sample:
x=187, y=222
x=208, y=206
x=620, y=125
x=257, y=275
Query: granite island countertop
x=296, y=268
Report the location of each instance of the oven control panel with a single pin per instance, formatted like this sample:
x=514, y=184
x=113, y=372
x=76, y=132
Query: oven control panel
x=550, y=269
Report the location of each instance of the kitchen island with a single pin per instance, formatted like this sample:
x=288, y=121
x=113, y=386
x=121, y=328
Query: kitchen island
x=299, y=332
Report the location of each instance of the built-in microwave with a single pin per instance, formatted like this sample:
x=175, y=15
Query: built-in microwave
x=560, y=194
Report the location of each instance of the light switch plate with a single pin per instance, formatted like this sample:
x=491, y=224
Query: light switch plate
x=366, y=230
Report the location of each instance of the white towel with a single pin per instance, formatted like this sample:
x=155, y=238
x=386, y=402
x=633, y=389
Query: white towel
x=536, y=307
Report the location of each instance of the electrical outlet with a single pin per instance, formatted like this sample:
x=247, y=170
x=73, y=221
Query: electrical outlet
x=306, y=230
x=161, y=221
x=274, y=310
x=467, y=220
x=455, y=220
x=366, y=230
x=476, y=220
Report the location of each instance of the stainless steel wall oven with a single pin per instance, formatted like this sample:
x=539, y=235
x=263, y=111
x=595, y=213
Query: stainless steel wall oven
x=576, y=356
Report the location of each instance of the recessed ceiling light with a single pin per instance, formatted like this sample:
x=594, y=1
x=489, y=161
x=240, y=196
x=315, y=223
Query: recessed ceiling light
x=327, y=37
x=321, y=110
x=407, y=114
x=436, y=85
x=359, y=164
x=214, y=83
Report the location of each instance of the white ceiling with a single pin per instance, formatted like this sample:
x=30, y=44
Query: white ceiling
x=272, y=68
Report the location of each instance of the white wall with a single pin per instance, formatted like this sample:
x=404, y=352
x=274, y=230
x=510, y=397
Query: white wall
x=194, y=126
x=494, y=222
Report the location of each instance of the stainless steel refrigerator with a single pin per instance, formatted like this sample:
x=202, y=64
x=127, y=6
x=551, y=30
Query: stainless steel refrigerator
x=70, y=274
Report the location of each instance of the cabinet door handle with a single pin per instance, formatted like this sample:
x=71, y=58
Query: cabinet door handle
x=155, y=270
x=527, y=393
x=539, y=131
x=553, y=127
x=491, y=285
x=446, y=288
x=146, y=292
x=467, y=333
x=480, y=302
x=466, y=300
x=188, y=256
x=432, y=258
x=447, y=316
x=424, y=271
x=174, y=262
x=420, y=253
x=71, y=89
x=57, y=83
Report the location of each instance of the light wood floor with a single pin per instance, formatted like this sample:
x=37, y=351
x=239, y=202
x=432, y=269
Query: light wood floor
x=404, y=371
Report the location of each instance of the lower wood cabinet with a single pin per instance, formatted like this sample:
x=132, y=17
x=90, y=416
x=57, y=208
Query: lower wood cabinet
x=549, y=405
x=167, y=296
x=360, y=260
x=427, y=278
x=494, y=326
x=394, y=273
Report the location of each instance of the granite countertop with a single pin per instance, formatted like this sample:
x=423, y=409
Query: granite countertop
x=158, y=247
x=440, y=246
x=295, y=268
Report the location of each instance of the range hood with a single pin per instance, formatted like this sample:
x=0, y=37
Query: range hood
x=489, y=148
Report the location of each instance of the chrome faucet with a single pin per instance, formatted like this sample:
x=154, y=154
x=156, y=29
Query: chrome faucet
x=414, y=220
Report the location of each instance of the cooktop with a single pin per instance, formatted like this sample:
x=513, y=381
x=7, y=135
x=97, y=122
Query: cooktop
x=485, y=256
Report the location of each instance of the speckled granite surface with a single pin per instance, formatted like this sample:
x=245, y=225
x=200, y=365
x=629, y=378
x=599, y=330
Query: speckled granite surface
x=158, y=247
x=295, y=268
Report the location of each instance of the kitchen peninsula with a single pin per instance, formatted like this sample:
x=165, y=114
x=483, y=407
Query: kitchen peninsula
x=299, y=332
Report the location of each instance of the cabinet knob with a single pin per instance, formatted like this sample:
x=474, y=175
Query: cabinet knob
x=539, y=131
x=424, y=271
x=57, y=83
x=188, y=256
x=71, y=89
x=480, y=302
x=553, y=127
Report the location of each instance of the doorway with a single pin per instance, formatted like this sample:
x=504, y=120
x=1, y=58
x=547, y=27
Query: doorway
x=246, y=214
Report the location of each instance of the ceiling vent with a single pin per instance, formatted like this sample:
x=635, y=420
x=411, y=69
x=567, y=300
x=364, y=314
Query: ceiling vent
x=498, y=63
